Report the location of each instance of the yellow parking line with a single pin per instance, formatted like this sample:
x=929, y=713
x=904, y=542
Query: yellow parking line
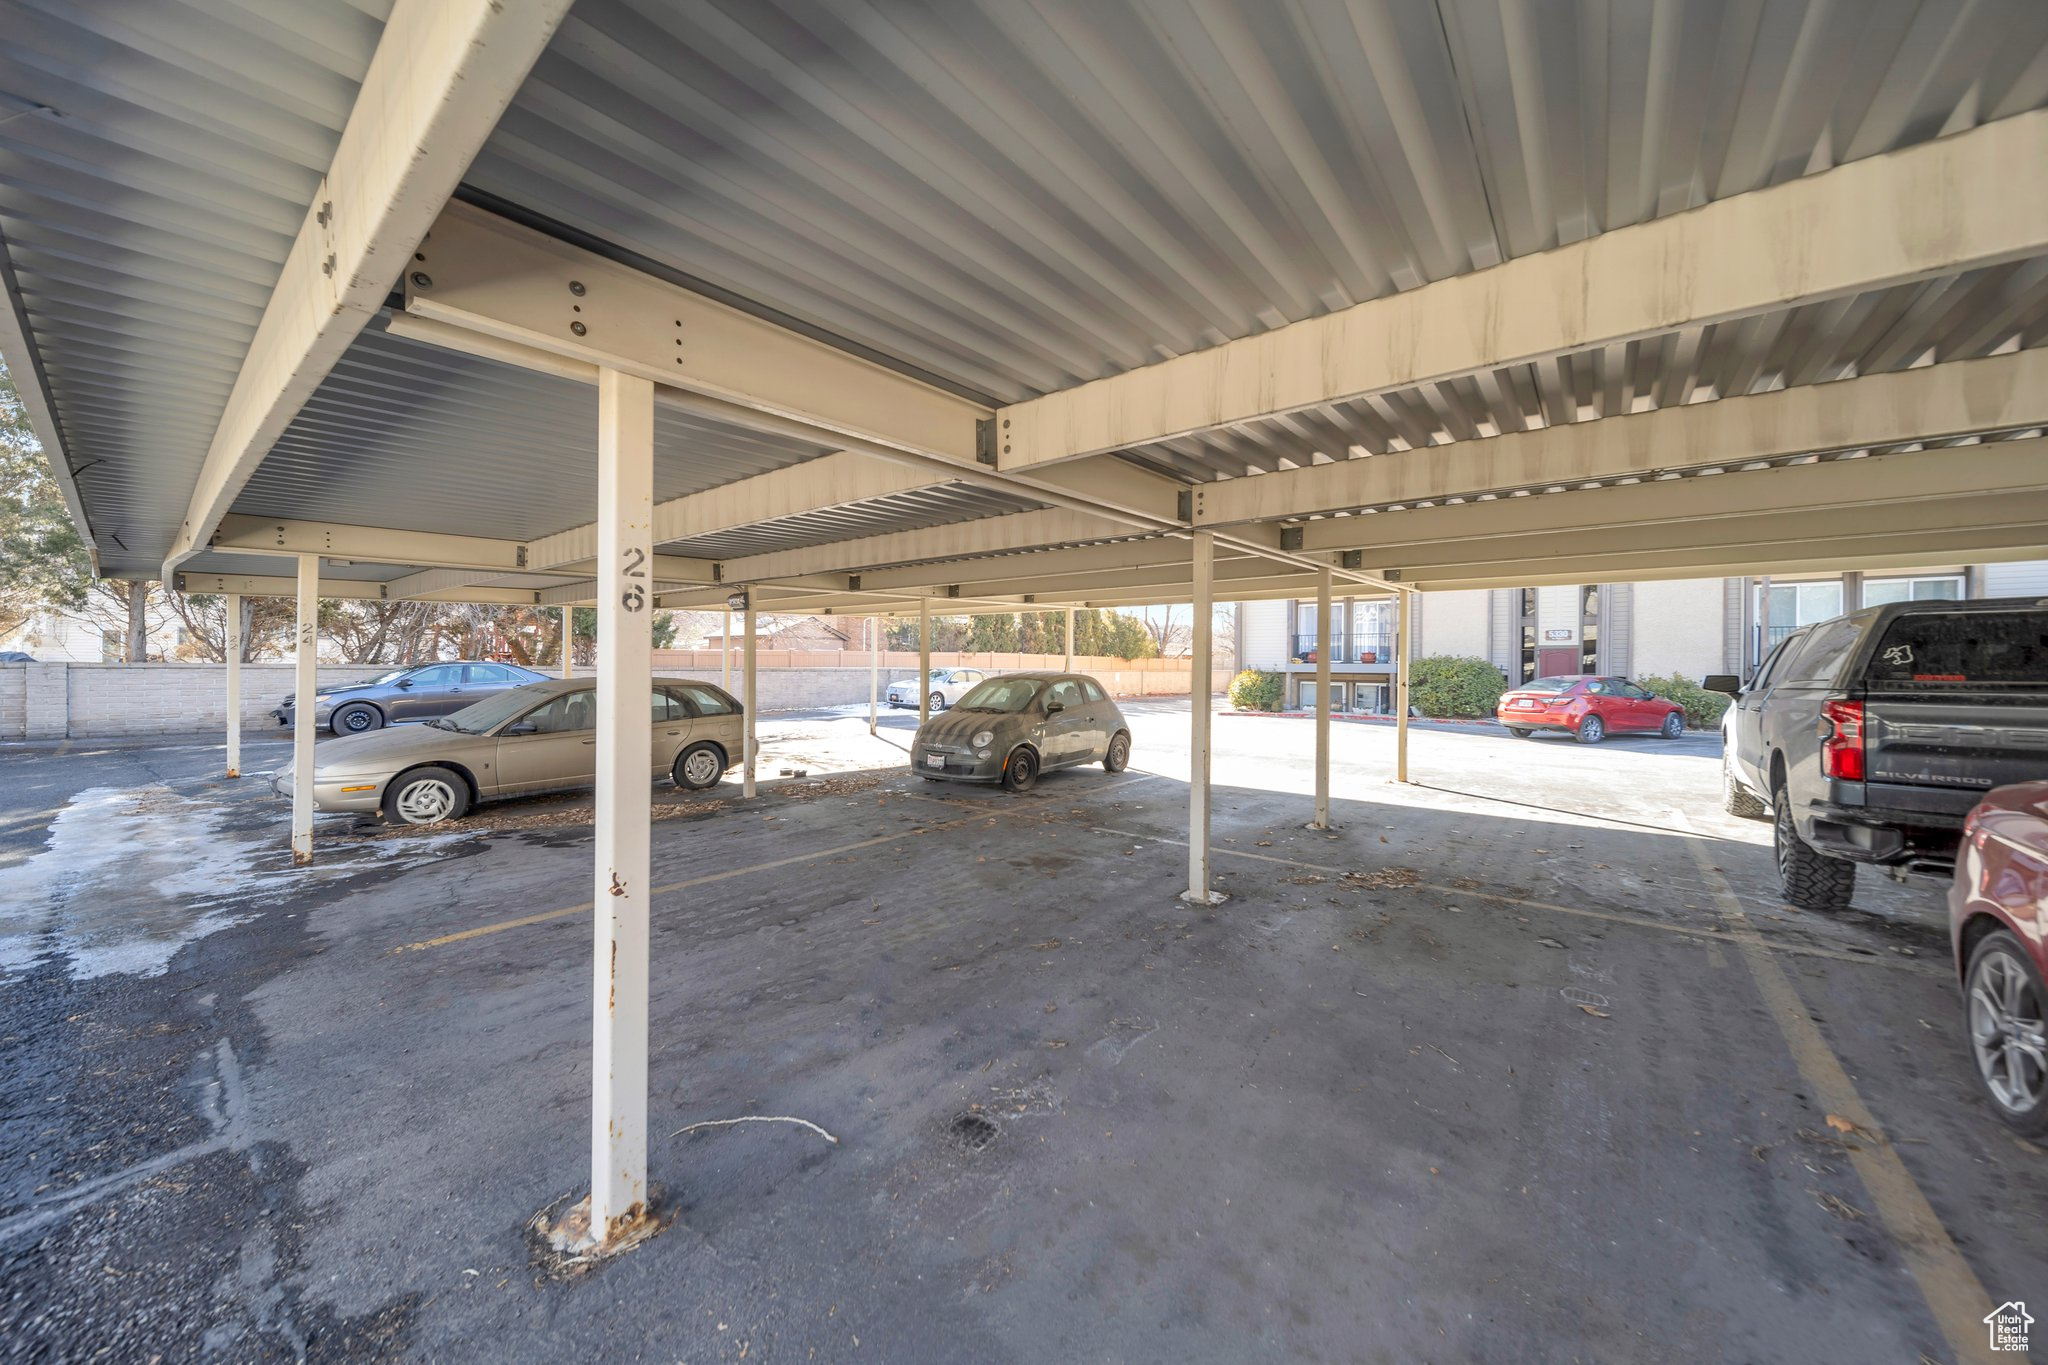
x=1952, y=1290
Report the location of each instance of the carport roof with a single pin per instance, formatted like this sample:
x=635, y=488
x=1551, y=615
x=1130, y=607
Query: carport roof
x=1002, y=201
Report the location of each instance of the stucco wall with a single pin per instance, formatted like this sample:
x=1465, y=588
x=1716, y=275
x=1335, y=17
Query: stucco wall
x=1454, y=623
x=95, y=701
x=1678, y=628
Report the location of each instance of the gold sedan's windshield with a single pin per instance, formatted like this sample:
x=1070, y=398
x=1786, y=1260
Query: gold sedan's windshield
x=493, y=711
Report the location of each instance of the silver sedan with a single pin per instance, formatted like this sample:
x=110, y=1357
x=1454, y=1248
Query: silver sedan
x=522, y=742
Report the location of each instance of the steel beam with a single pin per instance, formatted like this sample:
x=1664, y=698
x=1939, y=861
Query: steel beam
x=253, y=585
x=233, y=652
x=924, y=661
x=1201, y=708
x=489, y=275
x=443, y=72
x=1682, y=509
x=1402, y=653
x=750, y=675
x=369, y=544
x=622, y=873
x=1997, y=393
x=306, y=682
x=1940, y=207
x=1322, y=818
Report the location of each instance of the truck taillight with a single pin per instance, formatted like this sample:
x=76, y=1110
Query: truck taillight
x=1841, y=740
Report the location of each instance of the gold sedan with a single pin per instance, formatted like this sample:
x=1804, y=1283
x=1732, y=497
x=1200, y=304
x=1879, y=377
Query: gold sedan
x=522, y=742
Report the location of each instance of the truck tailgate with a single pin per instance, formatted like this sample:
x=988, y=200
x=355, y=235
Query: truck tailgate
x=1953, y=745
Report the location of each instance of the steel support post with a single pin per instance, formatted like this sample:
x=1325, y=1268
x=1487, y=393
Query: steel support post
x=924, y=661
x=1200, y=709
x=749, y=675
x=622, y=872
x=1401, y=652
x=725, y=653
x=1070, y=639
x=1322, y=820
x=232, y=637
x=874, y=672
x=568, y=642
x=306, y=634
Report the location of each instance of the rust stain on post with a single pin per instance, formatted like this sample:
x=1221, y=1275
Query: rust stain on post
x=611, y=1003
x=618, y=887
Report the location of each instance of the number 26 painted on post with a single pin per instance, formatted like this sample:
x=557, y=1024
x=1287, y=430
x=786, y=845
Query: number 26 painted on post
x=635, y=596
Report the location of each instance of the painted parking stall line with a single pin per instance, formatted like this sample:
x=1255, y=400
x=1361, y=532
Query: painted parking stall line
x=1954, y=1294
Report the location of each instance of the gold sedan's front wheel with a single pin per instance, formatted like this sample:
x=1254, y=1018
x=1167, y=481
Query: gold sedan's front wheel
x=426, y=796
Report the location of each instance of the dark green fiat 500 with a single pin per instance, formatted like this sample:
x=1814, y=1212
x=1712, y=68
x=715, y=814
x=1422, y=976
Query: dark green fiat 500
x=1011, y=729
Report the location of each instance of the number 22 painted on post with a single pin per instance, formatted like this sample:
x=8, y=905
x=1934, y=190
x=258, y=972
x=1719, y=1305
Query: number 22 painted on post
x=635, y=596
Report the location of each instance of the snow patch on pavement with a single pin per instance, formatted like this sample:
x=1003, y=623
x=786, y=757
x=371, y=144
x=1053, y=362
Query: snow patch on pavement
x=128, y=877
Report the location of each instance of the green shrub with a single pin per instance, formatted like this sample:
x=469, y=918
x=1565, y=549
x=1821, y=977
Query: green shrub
x=1702, y=708
x=1257, y=690
x=1445, y=685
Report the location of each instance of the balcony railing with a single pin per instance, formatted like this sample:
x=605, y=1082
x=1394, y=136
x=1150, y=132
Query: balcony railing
x=1358, y=647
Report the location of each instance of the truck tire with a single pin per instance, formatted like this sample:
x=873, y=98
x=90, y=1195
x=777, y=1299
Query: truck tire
x=1811, y=880
x=1737, y=799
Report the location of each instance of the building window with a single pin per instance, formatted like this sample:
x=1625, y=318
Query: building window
x=1942, y=588
x=1792, y=605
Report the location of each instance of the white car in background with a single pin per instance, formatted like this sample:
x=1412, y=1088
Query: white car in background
x=943, y=685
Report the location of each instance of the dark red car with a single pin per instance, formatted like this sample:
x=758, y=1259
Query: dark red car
x=1590, y=709
x=1997, y=917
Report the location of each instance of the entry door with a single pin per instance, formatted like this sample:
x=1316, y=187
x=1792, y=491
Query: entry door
x=557, y=747
x=1067, y=733
x=429, y=693
x=1557, y=663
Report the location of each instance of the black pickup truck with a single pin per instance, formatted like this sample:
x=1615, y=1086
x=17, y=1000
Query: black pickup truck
x=1868, y=738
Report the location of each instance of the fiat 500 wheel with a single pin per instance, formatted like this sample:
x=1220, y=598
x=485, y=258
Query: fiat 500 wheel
x=426, y=796
x=1119, y=756
x=1021, y=771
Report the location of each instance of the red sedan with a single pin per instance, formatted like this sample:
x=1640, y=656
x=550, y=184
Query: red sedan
x=1590, y=709
x=1997, y=919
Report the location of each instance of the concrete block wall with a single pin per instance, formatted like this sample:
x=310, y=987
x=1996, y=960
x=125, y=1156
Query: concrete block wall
x=98, y=701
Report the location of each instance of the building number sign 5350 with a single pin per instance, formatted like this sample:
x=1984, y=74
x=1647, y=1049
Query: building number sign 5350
x=635, y=596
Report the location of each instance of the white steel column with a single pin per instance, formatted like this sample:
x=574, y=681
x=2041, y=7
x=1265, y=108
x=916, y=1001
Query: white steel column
x=747, y=700
x=1322, y=700
x=725, y=653
x=1199, y=708
x=874, y=671
x=568, y=642
x=1401, y=643
x=306, y=632
x=233, y=639
x=622, y=871
x=924, y=661
x=1070, y=639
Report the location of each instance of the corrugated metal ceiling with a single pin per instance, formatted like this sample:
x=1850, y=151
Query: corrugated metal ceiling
x=412, y=436
x=1013, y=195
x=1022, y=195
x=912, y=511
x=155, y=161
x=1958, y=317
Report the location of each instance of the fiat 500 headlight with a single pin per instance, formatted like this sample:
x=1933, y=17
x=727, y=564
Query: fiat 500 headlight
x=984, y=737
